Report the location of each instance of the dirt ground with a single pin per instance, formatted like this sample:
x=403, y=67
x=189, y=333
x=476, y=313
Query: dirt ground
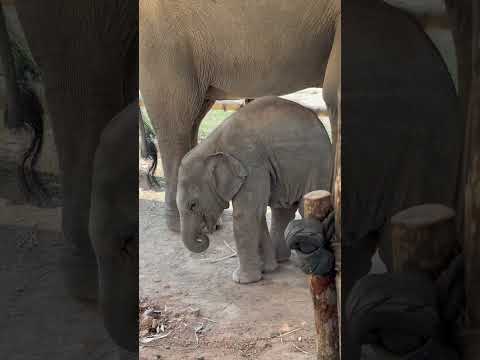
x=39, y=320
x=200, y=313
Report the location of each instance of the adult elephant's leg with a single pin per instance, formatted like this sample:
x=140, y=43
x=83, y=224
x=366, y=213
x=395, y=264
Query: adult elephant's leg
x=280, y=219
x=84, y=90
x=176, y=118
x=206, y=106
x=173, y=146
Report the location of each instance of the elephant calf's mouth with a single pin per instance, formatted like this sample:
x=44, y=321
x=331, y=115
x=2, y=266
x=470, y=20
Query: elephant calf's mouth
x=208, y=227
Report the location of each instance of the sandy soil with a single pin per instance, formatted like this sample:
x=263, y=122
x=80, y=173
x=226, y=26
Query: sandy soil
x=201, y=313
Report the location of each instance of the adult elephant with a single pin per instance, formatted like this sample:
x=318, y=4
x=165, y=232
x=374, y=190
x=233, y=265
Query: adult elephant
x=193, y=53
x=88, y=56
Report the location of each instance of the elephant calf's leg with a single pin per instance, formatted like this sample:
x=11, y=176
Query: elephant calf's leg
x=280, y=220
x=248, y=230
x=267, y=250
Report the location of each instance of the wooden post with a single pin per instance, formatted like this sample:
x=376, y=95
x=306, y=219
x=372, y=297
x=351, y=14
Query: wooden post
x=318, y=204
x=423, y=238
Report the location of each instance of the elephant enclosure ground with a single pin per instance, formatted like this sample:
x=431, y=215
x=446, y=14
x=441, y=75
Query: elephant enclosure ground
x=202, y=313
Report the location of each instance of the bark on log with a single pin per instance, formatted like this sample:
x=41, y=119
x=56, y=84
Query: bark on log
x=318, y=204
x=423, y=239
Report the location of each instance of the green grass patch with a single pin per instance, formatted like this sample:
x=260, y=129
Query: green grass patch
x=211, y=121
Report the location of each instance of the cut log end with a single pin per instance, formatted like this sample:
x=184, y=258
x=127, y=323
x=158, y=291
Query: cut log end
x=423, y=238
x=317, y=204
x=424, y=215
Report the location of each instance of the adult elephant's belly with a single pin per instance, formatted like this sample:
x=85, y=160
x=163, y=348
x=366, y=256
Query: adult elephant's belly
x=254, y=84
x=252, y=76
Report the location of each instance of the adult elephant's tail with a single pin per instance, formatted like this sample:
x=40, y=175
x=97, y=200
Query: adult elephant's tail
x=28, y=176
x=149, y=151
x=23, y=109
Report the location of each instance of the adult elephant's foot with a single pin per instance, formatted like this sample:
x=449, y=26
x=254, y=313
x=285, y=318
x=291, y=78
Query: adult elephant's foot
x=80, y=274
x=246, y=277
x=172, y=218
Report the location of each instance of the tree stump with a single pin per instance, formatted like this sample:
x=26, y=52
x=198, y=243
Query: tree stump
x=318, y=204
x=423, y=238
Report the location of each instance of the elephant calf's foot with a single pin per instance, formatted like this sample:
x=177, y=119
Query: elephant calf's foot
x=270, y=265
x=244, y=277
x=283, y=255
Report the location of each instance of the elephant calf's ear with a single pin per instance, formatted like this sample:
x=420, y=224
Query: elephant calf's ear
x=227, y=175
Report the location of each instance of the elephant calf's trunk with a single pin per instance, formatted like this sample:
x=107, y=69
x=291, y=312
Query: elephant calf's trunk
x=197, y=244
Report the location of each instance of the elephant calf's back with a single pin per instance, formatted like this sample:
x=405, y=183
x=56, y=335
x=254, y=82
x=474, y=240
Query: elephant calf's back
x=297, y=148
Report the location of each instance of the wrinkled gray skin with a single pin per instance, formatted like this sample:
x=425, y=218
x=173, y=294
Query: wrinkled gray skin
x=87, y=53
x=266, y=47
x=269, y=153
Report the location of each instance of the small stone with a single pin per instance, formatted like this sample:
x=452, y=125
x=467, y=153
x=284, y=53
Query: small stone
x=155, y=323
x=200, y=358
x=143, y=333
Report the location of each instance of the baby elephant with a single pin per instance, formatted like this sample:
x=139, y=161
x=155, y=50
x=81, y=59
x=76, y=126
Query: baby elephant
x=269, y=153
